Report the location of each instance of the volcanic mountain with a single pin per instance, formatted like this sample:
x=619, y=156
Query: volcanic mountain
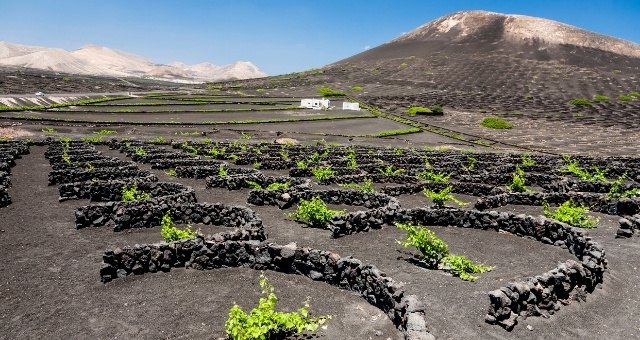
x=104, y=61
x=491, y=62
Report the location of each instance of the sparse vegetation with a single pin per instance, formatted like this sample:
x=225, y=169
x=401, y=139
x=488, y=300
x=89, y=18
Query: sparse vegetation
x=366, y=186
x=419, y=110
x=131, y=194
x=600, y=98
x=518, y=182
x=48, y=130
x=624, y=98
x=170, y=232
x=441, y=197
x=432, y=176
x=580, y=102
x=264, y=322
x=314, y=212
x=356, y=88
x=104, y=132
x=435, y=252
x=496, y=123
x=171, y=172
x=322, y=173
x=617, y=189
x=573, y=167
x=571, y=214
x=328, y=92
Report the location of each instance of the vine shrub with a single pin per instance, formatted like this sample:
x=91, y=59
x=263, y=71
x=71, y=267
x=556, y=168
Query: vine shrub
x=314, y=212
x=571, y=214
x=170, y=232
x=322, y=173
x=573, y=167
x=518, y=181
x=432, y=176
x=264, y=322
x=441, y=197
x=131, y=194
x=366, y=186
x=435, y=252
x=617, y=191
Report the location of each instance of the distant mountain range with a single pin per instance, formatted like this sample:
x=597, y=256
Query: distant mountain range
x=104, y=61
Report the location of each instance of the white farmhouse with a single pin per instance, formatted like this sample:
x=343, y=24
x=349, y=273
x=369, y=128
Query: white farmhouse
x=316, y=104
x=351, y=106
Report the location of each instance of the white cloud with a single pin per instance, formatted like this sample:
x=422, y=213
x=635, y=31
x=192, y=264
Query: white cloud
x=367, y=47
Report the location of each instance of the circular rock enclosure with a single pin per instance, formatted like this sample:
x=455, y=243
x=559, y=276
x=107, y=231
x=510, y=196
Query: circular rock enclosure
x=83, y=172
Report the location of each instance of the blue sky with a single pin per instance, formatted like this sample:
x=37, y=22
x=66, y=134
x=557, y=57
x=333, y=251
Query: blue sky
x=279, y=36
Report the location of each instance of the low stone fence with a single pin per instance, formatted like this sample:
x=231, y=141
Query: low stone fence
x=125, y=214
x=405, y=311
x=539, y=295
x=595, y=202
x=100, y=163
x=473, y=189
x=628, y=226
x=200, y=172
x=237, y=182
x=78, y=175
x=104, y=191
x=174, y=163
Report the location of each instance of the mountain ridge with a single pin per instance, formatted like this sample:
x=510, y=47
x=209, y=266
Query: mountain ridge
x=104, y=61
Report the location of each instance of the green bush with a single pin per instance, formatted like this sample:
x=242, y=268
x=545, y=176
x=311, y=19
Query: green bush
x=463, y=267
x=170, y=232
x=171, y=172
x=157, y=140
x=527, y=160
x=571, y=214
x=356, y=88
x=140, y=152
x=432, y=248
x=518, y=181
x=617, y=191
x=314, y=212
x=264, y=322
x=278, y=186
x=634, y=94
x=391, y=170
x=441, y=197
x=327, y=92
x=439, y=110
x=496, y=123
x=573, y=167
x=435, y=251
x=223, y=171
x=624, y=98
x=600, y=98
x=322, y=173
x=580, y=102
x=431, y=176
x=131, y=194
x=105, y=132
x=366, y=186
x=419, y=110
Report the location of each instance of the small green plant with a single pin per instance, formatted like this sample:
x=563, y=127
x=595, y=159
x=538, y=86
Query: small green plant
x=245, y=136
x=572, y=214
x=256, y=165
x=518, y=181
x=600, y=98
x=496, y=123
x=403, y=65
x=526, y=160
x=157, y=140
x=471, y=165
x=264, y=322
x=624, y=98
x=93, y=140
x=441, y=197
x=580, y=102
x=435, y=252
x=463, y=267
x=104, y=132
x=366, y=186
x=301, y=164
x=328, y=92
x=49, y=130
x=284, y=155
x=131, y=194
x=573, y=167
x=617, y=189
x=140, y=152
x=419, y=110
x=323, y=173
x=171, y=172
x=314, y=212
x=352, y=162
x=253, y=185
x=431, y=176
x=170, y=232
x=216, y=151
x=432, y=248
x=356, y=88
x=90, y=167
x=278, y=186
x=223, y=171
x=391, y=170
